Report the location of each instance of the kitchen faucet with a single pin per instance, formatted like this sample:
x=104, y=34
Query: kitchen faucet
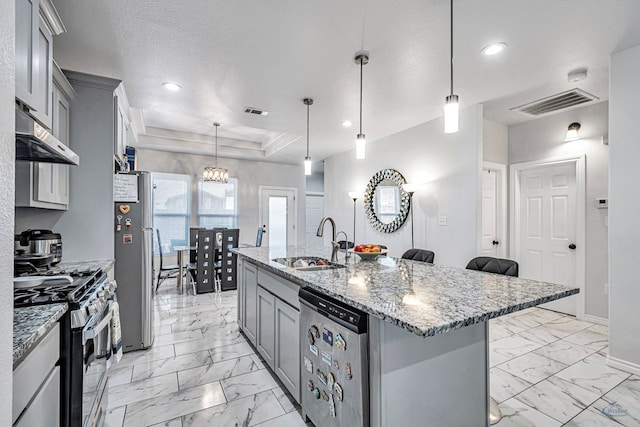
x=346, y=244
x=334, y=244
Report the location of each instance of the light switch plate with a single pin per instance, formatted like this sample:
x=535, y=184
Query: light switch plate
x=442, y=220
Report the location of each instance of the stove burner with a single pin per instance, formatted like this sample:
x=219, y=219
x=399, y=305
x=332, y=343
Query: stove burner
x=49, y=292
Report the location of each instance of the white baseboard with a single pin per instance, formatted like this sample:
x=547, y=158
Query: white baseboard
x=596, y=319
x=632, y=368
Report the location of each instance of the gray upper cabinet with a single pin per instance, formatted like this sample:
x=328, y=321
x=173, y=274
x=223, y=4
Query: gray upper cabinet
x=27, y=31
x=46, y=185
x=37, y=22
x=44, y=104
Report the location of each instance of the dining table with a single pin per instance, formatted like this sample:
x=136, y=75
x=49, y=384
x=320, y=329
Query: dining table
x=180, y=250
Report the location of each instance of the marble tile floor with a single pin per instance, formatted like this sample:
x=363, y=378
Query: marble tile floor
x=547, y=369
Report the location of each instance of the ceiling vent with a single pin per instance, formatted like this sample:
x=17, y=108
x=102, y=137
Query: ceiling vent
x=557, y=102
x=252, y=110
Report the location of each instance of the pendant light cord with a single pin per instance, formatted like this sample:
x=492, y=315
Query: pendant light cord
x=308, y=130
x=451, y=28
x=361, y=59
x=216, y=125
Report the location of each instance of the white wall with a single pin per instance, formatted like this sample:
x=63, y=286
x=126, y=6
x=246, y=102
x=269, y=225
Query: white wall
x=250, y=176
x=315, y=182
x=624, y=208
x=7, y=197
x=495, y=142
x=448, y=165
x=542, y=139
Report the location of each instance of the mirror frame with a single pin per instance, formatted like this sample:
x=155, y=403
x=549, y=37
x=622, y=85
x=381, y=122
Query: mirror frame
x=369, y=201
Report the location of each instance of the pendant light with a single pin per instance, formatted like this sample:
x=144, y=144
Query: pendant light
x=307, y=160
x=451, y=105
x=362, y=58
x=216, y=174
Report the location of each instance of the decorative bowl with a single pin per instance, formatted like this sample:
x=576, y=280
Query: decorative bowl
x=369, y=256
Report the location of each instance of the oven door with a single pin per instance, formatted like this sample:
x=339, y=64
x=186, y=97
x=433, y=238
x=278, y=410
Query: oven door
x=96, y=337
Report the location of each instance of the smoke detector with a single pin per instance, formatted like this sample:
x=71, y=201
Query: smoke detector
x=577, y=75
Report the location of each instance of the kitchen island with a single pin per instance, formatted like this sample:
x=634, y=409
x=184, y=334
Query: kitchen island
x=428, y=329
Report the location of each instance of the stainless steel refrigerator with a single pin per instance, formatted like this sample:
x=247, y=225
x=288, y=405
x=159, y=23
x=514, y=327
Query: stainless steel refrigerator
x=133, y=225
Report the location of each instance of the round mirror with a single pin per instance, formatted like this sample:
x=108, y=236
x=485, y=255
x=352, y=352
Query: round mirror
x=385, y=202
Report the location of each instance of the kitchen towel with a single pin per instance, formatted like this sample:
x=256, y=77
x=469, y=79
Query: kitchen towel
x=116, y=332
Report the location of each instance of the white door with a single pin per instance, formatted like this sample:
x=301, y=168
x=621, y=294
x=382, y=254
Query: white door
x=278, y=216
x=547, y=228
x=314, y=214
x=489, y=213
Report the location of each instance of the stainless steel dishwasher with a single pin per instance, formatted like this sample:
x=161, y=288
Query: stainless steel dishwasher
x=334, y=362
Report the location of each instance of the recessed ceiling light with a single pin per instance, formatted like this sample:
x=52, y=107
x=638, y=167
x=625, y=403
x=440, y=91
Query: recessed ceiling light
x=494, y=48
x=346, y=124
x=171, y=86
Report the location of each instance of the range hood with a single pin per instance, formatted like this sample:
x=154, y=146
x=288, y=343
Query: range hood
x=35, y=143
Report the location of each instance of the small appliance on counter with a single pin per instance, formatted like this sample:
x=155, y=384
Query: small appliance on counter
x=38, y=244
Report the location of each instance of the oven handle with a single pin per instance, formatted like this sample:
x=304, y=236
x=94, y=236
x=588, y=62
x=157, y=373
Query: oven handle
x=90, y=331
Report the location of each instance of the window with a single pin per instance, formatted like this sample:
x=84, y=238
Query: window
x=171, y=201
x=218, y=204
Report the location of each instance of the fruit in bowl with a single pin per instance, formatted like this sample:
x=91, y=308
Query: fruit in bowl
x=367, y=248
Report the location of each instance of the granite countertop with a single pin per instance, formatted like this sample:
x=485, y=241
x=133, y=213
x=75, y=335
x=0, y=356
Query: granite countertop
x=105, y=265
x=423, y=298
x=32, y=323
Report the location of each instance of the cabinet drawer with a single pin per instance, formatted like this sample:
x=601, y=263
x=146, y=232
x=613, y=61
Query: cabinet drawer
x=34, y=369
x=44, y=409
x=284, y=289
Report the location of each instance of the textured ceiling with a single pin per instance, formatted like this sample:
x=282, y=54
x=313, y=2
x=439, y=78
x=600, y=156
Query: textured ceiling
x=228, y=55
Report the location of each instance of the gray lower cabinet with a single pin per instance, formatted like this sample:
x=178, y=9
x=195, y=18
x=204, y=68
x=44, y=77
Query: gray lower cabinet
x=266, y=308
x=249, y=296
x=287, y=333
x=36, y=384
x=270, y=319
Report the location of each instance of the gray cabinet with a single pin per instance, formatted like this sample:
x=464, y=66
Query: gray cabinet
x=270, y=318
x=287, y=334
x=44, y=49
x=266, y=342
x=249, y=293
x=37, y=22
x=36, y=384
x=27, y=29
x=46, y=185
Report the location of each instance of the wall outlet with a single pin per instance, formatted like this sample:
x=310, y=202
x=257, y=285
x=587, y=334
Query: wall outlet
x=606, y=288
x=442, y=220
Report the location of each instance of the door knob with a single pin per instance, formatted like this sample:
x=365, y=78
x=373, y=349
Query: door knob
x=495, y=242
x=572, y=246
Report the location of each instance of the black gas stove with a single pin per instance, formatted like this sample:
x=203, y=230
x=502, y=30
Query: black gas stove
x=85, y=338
x=56, y=291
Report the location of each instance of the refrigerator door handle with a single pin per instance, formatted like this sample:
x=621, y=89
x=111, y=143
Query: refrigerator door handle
x=147, y=291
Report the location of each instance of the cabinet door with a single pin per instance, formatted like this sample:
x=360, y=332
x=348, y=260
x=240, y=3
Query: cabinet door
x=287, y=360
x=27, y=18
x=250, y=279
x=44, y=409
x=240, y=270
x=121, y=130
x=266, y=326
x=43, y=106
x=60, y=129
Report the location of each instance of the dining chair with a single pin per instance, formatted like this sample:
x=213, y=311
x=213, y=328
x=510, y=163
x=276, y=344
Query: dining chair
x=165, y=271
x=422, y=255
x=505, y=267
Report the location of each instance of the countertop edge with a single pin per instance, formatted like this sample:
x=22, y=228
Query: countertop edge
x=25, y=346
x=440, y=329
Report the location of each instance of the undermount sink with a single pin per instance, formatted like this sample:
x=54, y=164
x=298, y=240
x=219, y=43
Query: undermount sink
x=308, y=263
